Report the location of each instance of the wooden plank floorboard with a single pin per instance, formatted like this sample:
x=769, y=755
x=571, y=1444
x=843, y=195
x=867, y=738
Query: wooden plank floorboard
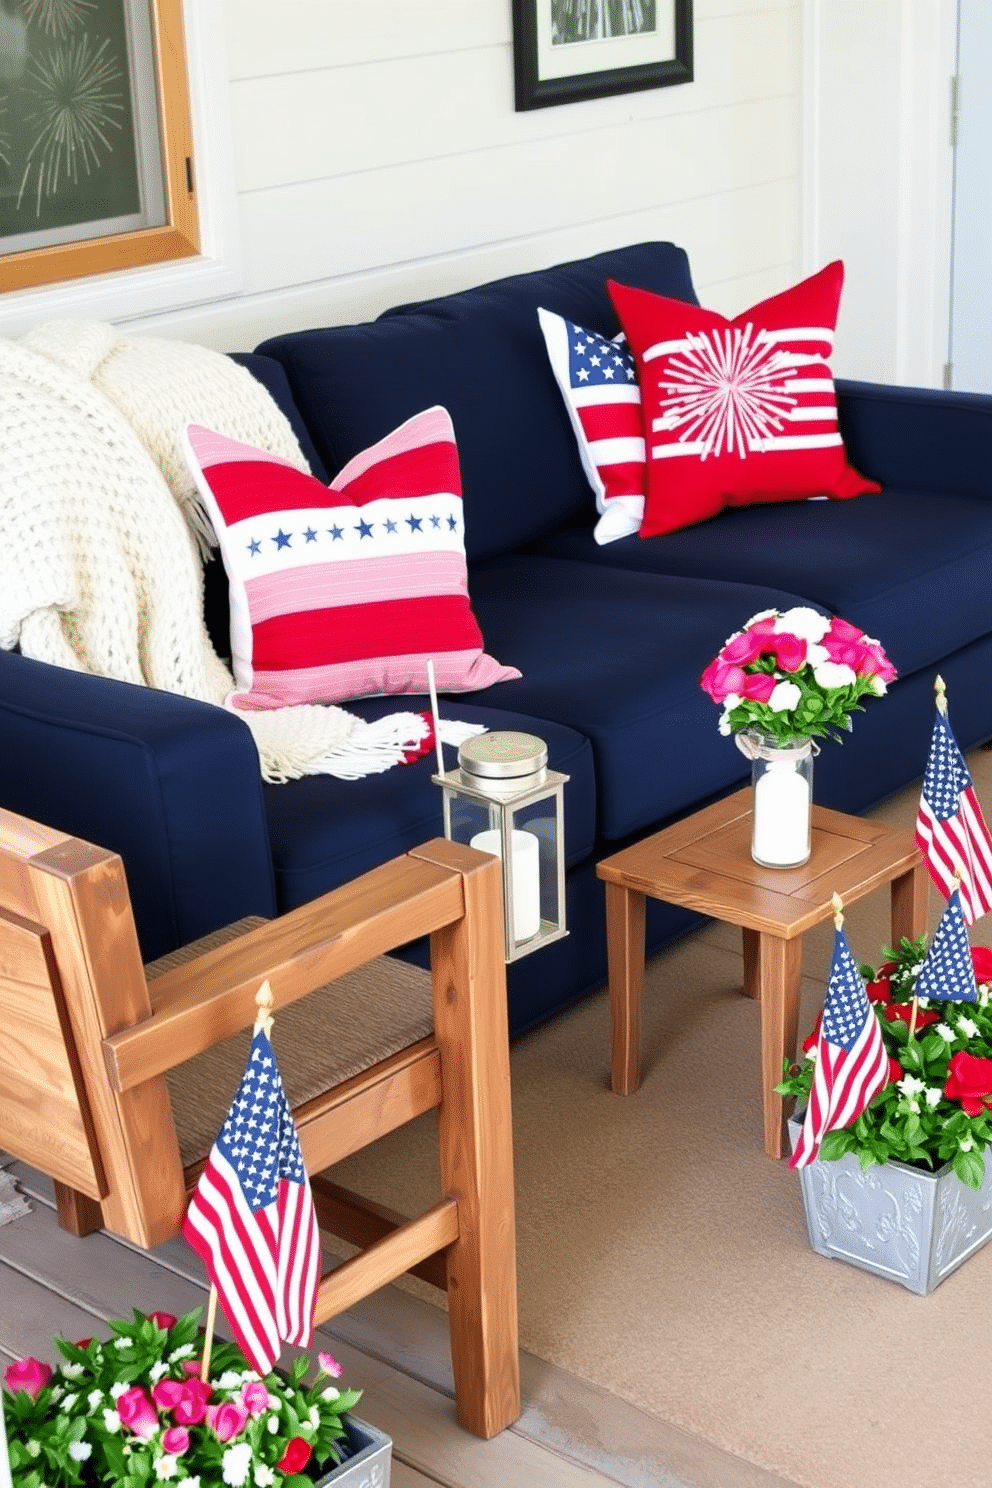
x=54, y=1283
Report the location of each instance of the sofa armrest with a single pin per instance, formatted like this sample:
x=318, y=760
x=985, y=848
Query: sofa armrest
x=172, y=785
x=918, y=438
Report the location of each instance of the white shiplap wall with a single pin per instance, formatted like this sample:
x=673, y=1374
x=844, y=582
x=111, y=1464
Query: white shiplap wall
x=377, y=157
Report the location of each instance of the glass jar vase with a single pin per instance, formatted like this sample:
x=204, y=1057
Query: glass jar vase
x=782, y=781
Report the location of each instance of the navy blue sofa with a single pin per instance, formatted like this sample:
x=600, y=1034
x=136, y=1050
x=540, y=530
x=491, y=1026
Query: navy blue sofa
x=610, y=640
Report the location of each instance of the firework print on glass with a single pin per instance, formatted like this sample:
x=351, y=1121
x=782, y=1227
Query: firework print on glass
x=738, y=412
x=70, y=165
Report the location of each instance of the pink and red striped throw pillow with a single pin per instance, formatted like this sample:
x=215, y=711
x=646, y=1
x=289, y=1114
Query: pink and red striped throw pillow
x=598, y=381
x=344, y=591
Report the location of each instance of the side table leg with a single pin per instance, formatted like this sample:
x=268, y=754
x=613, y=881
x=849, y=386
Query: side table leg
x=625, y=958
x=779, y=970
x=752, y=967
x=909, y=904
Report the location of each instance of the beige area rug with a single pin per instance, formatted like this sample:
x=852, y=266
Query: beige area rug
x=664, y=1257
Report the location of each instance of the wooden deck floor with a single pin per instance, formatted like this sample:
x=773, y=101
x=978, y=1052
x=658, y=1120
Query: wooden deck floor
x=394, y=1346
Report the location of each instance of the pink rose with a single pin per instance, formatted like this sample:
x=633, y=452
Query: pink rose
x=192, y=1407
x=175, y=1441
x=760, y=685
x=877, y=664
x=228, y=1420
x=751, y=643
x=137, y=1412
x=255, y=1397
x=720, y=678
x=789, y=650
x=329, y=1365
x=163, y=1320
x=29, y=1375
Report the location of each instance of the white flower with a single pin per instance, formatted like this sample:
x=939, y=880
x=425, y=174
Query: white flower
x=69, y=1402
x=804, y=622
x=946, y=1033
x=236, y=1463
x=118, y=1388
x=761, y=615
x=72, y=1371
x=878, y=687
x=330, y=1393
x=966, y=1144
x=33, y=1448
x=94, y=1398
x=79, y=1451
x=910, y=1085
x=723, y=725
x=314, y=1417
x=56, y=1392
x=166, y=1467
x=181, y=1353
x=785, y=695
x=111, y=1421
x=123, y=1343
x=933, y=1095
x=811, y=1052
x=966, y=1025
x=157, y=1370
x=834, y=674
x=815, y=653
x=264, y=1476
x=273, y=1423
x=230, y=1379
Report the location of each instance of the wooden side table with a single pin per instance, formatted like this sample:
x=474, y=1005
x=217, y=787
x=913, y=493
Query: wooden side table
x=705, y=864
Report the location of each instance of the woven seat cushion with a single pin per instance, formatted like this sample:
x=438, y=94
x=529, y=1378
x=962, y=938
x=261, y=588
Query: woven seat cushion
x=333, y=1033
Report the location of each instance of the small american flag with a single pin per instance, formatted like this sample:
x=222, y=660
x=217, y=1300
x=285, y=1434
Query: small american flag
x=252, y=1218
x=950, y=827
x=948, y=973
x=852, y=1064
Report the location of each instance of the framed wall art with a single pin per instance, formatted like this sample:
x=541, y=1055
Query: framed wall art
x=568, y=50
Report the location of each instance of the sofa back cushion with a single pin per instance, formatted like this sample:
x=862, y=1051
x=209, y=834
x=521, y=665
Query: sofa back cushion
x=480, y=353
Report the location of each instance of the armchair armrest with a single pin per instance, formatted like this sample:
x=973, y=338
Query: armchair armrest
x=170, y=784
x=918, y=438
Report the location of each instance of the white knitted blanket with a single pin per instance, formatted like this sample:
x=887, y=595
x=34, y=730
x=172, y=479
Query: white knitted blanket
x=102, y=534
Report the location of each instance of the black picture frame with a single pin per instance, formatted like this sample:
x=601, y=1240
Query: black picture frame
x=534, y=91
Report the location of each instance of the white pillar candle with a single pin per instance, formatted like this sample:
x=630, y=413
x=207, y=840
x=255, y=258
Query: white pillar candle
x=781, y=816
x=525, y=873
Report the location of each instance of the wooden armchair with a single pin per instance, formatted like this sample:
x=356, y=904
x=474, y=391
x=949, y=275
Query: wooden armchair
x=89, y=1041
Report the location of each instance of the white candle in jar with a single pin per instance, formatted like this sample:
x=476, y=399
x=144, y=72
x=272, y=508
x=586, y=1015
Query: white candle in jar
x=525, y=872
x=781, y=815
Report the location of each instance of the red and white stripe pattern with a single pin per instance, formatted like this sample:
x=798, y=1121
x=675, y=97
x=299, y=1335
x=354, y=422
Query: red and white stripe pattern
x=252, y=1219
x=345, y=591
x=852, y=1064
x=598, y=382
x=951, y=829
x=738, y=412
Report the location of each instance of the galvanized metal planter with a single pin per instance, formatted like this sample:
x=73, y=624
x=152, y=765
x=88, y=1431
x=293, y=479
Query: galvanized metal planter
x=910, y=1225
x=370, y=1460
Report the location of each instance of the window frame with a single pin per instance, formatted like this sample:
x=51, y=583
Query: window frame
x=179, y=236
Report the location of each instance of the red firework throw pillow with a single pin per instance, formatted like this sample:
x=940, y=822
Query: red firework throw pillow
x=344, y=591
x=738, y=412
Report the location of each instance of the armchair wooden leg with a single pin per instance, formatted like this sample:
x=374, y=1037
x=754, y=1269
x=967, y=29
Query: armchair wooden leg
x=77, y=1212
x=476, y=1146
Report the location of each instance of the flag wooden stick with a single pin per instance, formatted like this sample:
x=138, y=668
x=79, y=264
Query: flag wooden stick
x=940, y=692
x=208, y=1340
x=263, y=1023
x=437, y=719
x=838, y=905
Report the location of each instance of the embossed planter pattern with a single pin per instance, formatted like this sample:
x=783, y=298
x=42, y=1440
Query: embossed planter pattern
x=905, y=1223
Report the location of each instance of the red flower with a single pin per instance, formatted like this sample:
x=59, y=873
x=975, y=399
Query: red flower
x=981, y=960
x=29, y=1375
x=295, y=1457
x=969, y=1080
x=83, y=1342
x=164, y=1320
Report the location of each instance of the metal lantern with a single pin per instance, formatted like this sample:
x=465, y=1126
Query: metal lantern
x=504, y=800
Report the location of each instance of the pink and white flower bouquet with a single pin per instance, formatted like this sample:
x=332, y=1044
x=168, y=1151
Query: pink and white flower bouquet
x=795, y=674
x=132, y=1410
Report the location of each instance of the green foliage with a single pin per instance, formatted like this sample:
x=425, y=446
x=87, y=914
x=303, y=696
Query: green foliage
x=913, y=1120
x=69, y=1433
x=821, y=712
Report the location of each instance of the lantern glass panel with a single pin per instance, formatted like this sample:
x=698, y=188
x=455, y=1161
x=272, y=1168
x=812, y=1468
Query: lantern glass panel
x=540, y=820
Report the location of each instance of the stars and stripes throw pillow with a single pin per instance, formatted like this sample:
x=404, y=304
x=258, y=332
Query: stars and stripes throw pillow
x=598, y=381
x=345, y=591
x=737, y=412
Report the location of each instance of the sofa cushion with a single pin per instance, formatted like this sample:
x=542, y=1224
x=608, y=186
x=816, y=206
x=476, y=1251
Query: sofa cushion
x=344, y=591
x=325, y=831
x=738, y=411
x=909, y=567
x=598, y=381
x=480, y=354
x=618, y=655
